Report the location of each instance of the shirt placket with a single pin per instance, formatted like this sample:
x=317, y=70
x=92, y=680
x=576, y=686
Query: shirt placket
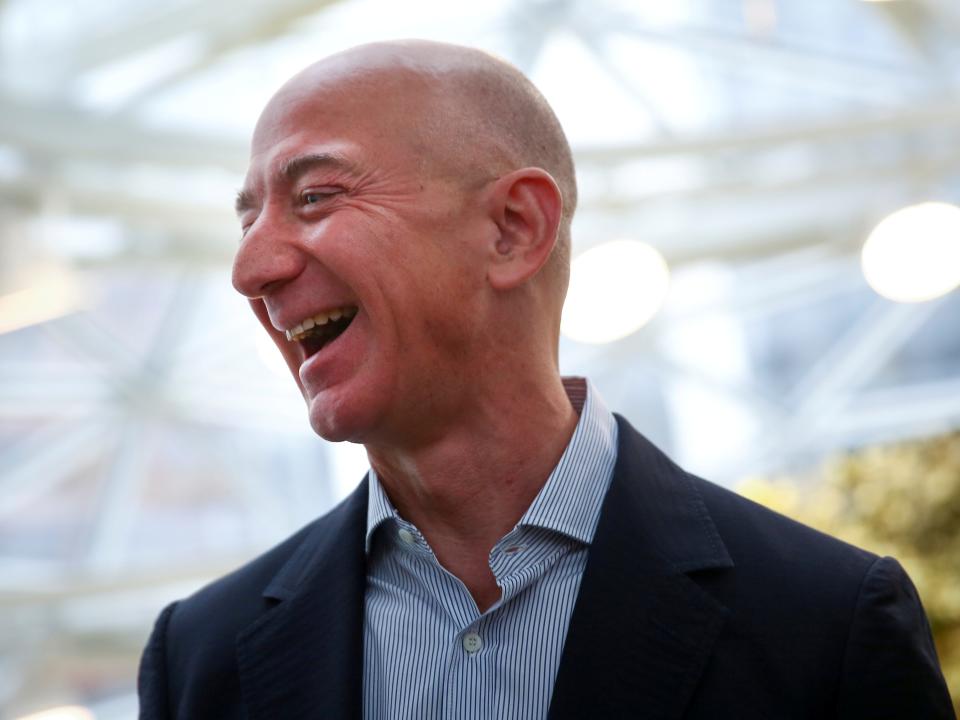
x=467, y=648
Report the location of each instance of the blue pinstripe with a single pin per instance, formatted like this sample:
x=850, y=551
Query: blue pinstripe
x=416, y=613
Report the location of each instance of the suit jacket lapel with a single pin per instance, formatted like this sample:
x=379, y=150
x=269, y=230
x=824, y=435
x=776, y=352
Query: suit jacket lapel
x=641, y=629
x=304, y=656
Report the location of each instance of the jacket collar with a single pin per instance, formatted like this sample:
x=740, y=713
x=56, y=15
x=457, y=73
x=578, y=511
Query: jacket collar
x=304, y=656
x=641, y=629
x=639, y=637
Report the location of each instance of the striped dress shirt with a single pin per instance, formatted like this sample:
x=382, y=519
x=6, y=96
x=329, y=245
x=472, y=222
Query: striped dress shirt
x=428, y=652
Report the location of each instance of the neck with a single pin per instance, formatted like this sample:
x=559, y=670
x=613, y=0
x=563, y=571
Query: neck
x=468, y=488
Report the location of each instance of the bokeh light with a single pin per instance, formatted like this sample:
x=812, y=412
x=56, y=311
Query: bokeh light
x=914, y=254
x=615, y=288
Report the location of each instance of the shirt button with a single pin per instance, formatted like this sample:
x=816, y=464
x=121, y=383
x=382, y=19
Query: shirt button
x=472, y=642
x=406, y=536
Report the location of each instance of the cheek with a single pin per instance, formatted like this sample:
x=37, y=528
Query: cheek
x=453, y=317
x=418, y=279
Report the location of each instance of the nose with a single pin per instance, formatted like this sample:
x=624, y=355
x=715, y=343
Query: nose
x=267, y=258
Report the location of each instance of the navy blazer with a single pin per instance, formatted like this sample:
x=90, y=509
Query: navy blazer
x=695, y=603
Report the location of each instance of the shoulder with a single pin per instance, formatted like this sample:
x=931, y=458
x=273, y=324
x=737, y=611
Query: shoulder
x=243, y=594
x=756, y=535
x=200, y=631
x=784, y=570
x=690, y=519
x=766, y=567
x=237, y=598
x=856, y=617
x=189, y=661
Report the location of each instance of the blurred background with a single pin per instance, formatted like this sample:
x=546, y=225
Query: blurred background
x=765, y=262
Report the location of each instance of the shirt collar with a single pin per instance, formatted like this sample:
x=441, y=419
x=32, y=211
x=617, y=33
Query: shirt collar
x=379, y=507
x=570, y=500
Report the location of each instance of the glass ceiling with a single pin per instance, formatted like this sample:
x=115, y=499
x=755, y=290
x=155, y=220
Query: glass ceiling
x=148, y=440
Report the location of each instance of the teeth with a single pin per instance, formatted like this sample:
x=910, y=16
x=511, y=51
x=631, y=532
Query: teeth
x=298, y=332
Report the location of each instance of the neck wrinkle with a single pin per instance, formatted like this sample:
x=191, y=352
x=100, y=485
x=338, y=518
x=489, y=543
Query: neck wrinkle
x=470, y=487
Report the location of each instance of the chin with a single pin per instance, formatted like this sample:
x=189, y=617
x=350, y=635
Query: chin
x=341, y=419
x=332, y=429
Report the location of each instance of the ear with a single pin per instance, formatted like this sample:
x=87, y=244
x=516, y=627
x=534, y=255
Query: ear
x=526, y=206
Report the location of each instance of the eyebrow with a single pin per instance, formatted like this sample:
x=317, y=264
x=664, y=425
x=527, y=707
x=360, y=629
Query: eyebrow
x=244, y=201
x=292, y=170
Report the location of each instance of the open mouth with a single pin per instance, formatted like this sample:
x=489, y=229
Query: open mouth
x=315, y=333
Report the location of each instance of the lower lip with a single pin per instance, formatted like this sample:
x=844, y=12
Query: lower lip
x=320, y=369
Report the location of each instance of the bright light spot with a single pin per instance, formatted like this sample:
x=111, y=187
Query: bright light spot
x=914, y=254
x=67, y=712
x=615, y=288
x=53, y=293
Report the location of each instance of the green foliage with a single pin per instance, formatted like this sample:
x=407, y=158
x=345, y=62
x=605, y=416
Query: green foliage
x=901, y=500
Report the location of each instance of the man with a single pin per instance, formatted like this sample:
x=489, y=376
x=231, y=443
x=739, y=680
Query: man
x=516, y=551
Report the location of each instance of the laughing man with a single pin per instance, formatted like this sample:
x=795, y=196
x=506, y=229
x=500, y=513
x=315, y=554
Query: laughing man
x=516, y=550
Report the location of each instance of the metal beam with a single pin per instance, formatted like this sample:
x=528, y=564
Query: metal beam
x=856, y=357
x=45, y=458
x=792, y=62
x=916, y=410
x=118, y=504
x=228, y=26
x=831, y=386
x=232, y=31
x=65, y=132
x=910, y=118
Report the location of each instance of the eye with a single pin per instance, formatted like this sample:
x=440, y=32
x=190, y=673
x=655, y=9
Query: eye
x=312, y=196
x=246, y=222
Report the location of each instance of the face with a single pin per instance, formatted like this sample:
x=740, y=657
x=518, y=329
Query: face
x=346, y=231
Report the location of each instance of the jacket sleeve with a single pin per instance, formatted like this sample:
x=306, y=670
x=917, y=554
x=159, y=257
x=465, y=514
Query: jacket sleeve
x=890, y=668
x=152, y=678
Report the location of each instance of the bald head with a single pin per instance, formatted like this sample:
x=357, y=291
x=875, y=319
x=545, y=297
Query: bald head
x=424, y=192
x=468, y=115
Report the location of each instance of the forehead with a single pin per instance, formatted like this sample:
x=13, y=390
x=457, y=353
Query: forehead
x=349, y=131
x=344, y=101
